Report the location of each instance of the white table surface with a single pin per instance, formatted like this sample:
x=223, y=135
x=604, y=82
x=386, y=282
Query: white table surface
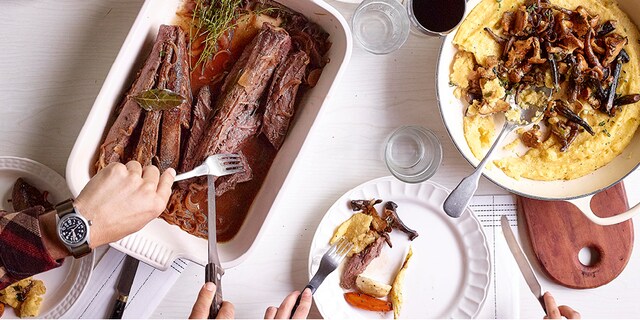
x=55, y=55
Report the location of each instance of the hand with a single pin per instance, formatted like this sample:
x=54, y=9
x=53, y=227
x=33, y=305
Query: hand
x=203, y=304
x=555, y=312
x=284, y=311
x=121, y=199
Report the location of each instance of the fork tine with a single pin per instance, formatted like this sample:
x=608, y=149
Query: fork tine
x=232, y=171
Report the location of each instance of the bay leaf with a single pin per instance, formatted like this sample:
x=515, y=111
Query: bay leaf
x=158, y=99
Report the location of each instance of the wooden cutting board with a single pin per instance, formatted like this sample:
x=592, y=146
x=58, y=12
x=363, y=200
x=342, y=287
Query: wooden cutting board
x=558, y=231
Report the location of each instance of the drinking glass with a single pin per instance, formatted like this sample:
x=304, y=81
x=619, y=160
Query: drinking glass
x=380, y=26
x=413, y=154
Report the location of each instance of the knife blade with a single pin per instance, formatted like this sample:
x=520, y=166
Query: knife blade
x=127, y=274
x=213, y=270
x=522, y=261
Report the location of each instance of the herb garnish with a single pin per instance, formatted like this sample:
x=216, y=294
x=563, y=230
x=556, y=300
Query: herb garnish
x=158, y=99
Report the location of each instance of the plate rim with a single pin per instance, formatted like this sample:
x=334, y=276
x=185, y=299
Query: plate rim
x=390, y=179
x=80, y=268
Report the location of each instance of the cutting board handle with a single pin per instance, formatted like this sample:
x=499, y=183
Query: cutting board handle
x=584, y=204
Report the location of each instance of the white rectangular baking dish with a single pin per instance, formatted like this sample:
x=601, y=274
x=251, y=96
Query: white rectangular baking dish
x=159, y=243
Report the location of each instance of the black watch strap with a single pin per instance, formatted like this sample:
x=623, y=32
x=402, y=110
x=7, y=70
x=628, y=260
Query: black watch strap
x=62, y=209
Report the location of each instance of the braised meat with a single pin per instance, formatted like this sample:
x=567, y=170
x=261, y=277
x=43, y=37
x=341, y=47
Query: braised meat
x=25, y=196
x=121, y=131
x=175, y=119
x=282, y=95
x=201, y=113
x=356, y=264
x=237, y=117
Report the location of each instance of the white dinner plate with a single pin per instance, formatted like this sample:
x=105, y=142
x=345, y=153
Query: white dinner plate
x=449, y=273
x=65, y=283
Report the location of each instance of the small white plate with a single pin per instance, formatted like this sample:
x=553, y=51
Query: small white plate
x=65, y=283
x=449, y=274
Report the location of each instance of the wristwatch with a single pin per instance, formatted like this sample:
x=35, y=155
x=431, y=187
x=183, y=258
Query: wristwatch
x=73, y=229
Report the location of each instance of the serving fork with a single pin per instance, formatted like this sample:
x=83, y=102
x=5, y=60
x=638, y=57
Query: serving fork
x=216, y=165
x=329, y=262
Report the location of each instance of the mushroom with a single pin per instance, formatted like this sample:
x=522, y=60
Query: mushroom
x=580, y=21
x=613, y=45
x=588, y=51
x=563, y=109
x=607, y=28
x=622, y=58
x=627, y=99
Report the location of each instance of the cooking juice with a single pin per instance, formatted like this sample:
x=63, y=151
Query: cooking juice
x=438, y=15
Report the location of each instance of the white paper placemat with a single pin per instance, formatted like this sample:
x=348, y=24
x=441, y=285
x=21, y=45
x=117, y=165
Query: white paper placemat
x=148, y=289
x=503, y=300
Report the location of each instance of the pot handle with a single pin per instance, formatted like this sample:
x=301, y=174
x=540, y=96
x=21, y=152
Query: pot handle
x=584, y=204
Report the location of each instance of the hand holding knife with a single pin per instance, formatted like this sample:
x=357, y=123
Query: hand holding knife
x=213, y=270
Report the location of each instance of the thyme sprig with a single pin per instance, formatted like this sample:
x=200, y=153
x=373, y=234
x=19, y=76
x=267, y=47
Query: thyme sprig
x=211, y=19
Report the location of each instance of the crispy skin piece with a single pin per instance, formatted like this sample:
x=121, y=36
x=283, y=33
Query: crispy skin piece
x=148, y=141
x=201, y=112
x=358, y=262
x=119, y=135
x=237, y=117
x=175, y=119
x=280, y=107
x=25, y=196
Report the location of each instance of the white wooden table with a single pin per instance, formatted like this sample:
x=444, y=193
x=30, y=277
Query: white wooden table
x=54, y=56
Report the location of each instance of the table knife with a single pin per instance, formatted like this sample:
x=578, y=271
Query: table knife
x=522, y=261
x=213, y=270
x=127, y=274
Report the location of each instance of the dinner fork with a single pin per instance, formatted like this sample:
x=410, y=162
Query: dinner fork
x=329, y=262
x=215, y=165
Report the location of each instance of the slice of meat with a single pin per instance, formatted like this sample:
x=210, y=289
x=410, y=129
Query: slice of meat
x=237, y=117
x=226, y=183
x=175, y=119
x=358, y=262
x=25, y=196
x=201, y=112
x=280, y=107
x=119, y=135
x=150, y=132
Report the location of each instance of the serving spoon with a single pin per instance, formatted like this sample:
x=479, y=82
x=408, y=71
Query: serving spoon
x=459, y=198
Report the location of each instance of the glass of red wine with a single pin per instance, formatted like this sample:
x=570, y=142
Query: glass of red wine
x=435, y=17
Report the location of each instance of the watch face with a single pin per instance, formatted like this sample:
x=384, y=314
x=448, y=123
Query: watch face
x=72, y=230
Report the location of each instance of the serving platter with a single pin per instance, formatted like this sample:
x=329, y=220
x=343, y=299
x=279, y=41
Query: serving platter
x=65, y=283
x=579, y=191
x=449, y=273
x=159, y=243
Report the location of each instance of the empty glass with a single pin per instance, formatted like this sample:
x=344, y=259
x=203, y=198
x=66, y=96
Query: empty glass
x=413, y=154
x=380, y=26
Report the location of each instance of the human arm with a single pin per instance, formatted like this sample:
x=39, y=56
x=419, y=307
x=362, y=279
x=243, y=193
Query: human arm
x=557, y=312
x=119, y=200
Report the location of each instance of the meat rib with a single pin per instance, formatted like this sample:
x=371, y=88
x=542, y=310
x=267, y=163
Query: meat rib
x=119, y=135
x=280, y=107
x=237, y=117
x=175, y=119
x=148, y=141
x=201, y=113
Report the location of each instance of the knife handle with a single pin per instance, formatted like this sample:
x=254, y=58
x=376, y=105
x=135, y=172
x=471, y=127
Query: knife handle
x=213, y=273
x=118, y=307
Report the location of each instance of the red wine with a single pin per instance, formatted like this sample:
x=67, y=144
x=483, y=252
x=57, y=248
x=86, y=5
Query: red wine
x=438, y=15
